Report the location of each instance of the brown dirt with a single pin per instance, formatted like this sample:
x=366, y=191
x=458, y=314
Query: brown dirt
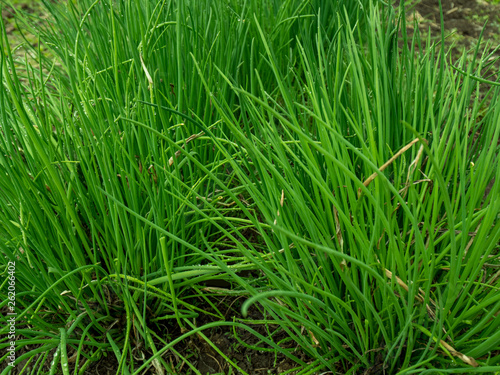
x=465, y=17
x=197, y=350
x=464, y=21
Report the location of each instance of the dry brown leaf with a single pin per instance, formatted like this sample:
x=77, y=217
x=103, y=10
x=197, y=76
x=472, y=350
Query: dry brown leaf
x=194, y=136
x=386, y=164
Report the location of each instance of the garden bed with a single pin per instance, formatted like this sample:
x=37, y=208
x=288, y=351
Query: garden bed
x=181, y=194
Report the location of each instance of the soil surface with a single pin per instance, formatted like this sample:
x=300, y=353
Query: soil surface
x=464, y=21
x=464, y=17
x=237, y=344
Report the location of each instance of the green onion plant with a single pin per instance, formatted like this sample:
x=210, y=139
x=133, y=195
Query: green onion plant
x=306, y=153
